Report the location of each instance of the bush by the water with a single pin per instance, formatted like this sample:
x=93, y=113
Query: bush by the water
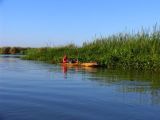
x=12, y=50
x=123, y=50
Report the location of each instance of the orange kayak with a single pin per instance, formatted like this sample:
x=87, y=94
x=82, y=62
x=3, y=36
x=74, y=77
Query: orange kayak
x=93, y=64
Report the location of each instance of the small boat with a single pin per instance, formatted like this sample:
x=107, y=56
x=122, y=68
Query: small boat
x=90, y=64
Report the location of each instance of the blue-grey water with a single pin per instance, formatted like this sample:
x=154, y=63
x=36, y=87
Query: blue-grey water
x=32, y=90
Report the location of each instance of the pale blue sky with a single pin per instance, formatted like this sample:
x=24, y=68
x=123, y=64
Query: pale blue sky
x=37, y=23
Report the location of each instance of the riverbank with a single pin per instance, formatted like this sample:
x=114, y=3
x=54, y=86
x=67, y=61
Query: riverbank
x=12, y=50
x=138, y=51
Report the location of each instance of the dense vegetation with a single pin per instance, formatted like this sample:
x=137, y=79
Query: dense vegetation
x=12, y=50
x=123, y=50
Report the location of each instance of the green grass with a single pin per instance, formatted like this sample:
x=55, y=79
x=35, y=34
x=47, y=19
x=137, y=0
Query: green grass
x=124, y=50
x=12, y=50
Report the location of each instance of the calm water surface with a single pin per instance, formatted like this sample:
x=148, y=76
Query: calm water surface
x=37, y=91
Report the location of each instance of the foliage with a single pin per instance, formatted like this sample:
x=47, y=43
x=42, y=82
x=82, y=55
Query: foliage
x=12, y=50
x=123, y=50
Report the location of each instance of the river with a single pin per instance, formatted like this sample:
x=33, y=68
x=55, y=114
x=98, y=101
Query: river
x=31, y=90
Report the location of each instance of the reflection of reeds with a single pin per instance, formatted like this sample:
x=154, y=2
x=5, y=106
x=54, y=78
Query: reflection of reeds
x=144, y=83
x=132, y=80
x=89, y=69
x=124, y=50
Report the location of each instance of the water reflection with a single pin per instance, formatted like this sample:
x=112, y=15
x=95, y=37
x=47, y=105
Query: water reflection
x=144, y=84
x=30, y=88
x=65, y=69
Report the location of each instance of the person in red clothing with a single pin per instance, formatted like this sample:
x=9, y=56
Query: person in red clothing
x=65, y=59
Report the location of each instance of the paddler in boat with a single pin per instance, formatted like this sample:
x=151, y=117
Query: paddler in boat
x=65, y=59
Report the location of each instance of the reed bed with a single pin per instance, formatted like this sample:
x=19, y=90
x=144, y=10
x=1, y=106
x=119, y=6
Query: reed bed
x=139, y=51
x=12, y=50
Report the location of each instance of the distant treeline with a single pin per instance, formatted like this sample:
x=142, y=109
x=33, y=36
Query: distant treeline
x=12, y=50
x=139, y=51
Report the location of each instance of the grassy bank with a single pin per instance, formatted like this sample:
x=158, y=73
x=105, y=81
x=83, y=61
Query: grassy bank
x=12, y=50
x=124, y=50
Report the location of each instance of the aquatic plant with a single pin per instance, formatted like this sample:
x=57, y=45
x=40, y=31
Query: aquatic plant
x=124, y=50
x=12, y=50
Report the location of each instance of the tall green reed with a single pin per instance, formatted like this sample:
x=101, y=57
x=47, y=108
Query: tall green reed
x=124, y=50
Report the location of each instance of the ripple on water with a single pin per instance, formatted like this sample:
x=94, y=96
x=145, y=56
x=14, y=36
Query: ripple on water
x=37, y=91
